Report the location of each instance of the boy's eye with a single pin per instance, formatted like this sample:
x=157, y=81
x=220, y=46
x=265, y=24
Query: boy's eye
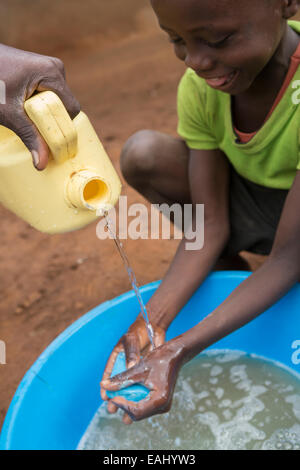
x=218, y=43
x=180, y=41
x=176, y=41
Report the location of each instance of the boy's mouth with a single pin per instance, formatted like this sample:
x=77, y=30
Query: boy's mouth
x=221, y=82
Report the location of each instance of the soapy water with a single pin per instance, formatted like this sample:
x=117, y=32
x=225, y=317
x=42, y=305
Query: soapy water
x=131, y=276
x=224, y=400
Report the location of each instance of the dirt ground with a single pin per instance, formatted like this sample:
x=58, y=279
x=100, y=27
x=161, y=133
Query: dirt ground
x=122, y=69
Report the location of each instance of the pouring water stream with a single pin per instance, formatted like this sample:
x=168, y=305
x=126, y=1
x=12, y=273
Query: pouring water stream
x=131, y=276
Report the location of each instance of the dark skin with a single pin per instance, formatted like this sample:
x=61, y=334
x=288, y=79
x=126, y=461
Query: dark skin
x=25, y=73
x=216, y=39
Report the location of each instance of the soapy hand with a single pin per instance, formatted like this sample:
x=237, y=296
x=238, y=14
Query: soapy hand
x=134, y=343
x=158, y=371
x=22, y=74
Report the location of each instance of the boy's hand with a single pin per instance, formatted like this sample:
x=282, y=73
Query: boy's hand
x=133, y=343
x=24, y=73
x=157, y=371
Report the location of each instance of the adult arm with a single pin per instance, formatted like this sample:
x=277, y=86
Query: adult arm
x=22, y=74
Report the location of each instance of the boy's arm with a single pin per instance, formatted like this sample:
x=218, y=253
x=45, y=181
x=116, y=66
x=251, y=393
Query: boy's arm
x=208, y=175
x=209, y=185
x=21, y=75
x=263, y=288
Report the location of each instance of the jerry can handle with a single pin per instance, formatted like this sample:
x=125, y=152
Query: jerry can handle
x=51, y=118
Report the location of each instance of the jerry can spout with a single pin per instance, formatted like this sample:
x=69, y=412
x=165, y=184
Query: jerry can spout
x=87, y=190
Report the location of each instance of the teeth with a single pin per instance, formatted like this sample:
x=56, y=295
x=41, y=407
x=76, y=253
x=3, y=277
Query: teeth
x=222, y=80
x=230, y=77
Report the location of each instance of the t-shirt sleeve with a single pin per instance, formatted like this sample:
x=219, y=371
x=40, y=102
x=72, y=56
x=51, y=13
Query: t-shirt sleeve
x=191, y=105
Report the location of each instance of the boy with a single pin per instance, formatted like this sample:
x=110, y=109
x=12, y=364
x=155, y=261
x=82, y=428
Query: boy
x=240, y=157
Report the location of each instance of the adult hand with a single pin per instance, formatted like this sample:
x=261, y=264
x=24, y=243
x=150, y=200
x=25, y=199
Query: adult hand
x=157, y=371
x=24, y=73
x=134, y=343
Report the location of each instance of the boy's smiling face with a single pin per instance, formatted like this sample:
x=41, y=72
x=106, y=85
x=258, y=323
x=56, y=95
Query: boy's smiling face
x=227, y=42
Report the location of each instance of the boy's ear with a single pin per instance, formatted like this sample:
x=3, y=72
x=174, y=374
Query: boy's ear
x=290, y=8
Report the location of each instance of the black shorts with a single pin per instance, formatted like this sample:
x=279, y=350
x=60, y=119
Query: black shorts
x=254, y=215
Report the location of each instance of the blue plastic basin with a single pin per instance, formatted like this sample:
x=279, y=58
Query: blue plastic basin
x=59, y=395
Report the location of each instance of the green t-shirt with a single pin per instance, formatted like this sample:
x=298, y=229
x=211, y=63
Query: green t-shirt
x=270, y=158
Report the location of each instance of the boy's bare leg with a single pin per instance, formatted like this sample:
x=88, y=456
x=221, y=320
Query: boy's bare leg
x=156, y=165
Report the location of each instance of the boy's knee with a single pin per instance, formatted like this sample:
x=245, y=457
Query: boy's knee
x=138, y=155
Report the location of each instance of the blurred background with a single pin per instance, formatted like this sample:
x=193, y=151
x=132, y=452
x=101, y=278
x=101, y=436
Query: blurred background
x=45, y=26
x=122, y=69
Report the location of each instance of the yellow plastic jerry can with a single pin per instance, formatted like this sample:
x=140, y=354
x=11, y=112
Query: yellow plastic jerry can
x=79, y=179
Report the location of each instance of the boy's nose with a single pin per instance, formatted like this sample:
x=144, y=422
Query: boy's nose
x=200, y=61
